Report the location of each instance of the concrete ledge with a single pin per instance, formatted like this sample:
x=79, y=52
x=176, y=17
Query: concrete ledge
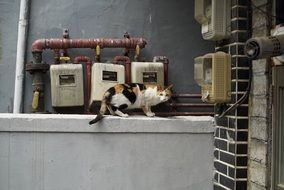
x=110, y=124
x=64, y=152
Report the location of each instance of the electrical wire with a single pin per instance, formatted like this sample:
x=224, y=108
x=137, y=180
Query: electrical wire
x=242, y=99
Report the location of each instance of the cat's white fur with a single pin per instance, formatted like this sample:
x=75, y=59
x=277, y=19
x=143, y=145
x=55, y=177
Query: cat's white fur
x=145, y=98
x=151, y=96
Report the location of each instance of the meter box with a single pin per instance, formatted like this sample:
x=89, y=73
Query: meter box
x=202, y=76
x=67, y=86
x=104, y=76
x=148, y=73
x=213, y=73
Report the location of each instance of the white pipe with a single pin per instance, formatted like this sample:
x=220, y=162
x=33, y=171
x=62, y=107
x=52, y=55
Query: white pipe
x=20, y=60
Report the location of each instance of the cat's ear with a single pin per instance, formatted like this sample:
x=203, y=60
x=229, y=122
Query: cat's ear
x=159, y=87
x=169, y=87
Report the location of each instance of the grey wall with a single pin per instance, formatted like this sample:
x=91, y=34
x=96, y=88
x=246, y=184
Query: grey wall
x=62, y=152
x=9, y=15
x=168, y=26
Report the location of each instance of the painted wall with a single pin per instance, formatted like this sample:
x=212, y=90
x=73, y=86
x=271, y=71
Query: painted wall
x=62, y=152
x=9, y=16
x=168, y=26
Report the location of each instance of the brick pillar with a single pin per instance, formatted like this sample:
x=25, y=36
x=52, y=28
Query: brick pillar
x=231, y=138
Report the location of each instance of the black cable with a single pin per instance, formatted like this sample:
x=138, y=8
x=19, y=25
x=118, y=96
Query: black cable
x=243, y=98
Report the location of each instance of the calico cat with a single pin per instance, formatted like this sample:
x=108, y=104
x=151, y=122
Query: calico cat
x=131, y=96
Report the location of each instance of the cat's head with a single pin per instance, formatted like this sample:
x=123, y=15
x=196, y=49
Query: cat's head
x=165, y=94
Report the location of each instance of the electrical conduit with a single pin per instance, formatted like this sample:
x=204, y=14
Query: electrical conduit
x=20, y=60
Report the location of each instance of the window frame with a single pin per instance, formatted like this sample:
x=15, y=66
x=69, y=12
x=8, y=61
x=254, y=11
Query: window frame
x=278, y=85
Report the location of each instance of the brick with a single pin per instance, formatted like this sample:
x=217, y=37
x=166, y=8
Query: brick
x=258, y=151
x=242, y=160
x=241, y=173
x=227, y=182
x=241, y=185
x=221, y=144
x=232, y=148
x=227, y=158
x=220, y=167
x=231, y=172
x=239, y=12
x=239, y=24
x=242, y=148
x=241, y=86
x=239, y=2
x=218, y=187
x=242, y=136
x=257, y=173
x=240, y=62
x=258, y=128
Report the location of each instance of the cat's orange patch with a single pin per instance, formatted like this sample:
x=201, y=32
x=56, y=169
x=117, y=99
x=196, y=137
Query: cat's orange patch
x=118, y=88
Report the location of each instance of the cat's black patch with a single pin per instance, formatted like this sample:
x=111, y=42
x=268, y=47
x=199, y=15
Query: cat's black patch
x=111, y=94
x=141, y=86
x=128, y=86
x=123, y=106
x=114, y=108
x=130, y=95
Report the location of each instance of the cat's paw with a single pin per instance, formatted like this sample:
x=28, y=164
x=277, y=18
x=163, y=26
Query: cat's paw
x=150, y=114
x=124, y=115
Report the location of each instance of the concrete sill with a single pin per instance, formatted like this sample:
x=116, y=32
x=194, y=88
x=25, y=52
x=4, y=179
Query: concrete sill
x=110, y=124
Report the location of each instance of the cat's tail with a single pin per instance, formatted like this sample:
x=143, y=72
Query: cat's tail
x=103, y=109
x=98, y=118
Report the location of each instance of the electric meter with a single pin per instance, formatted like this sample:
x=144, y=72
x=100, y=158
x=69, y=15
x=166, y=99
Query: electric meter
x=213, y=73
x=67, y=86
x=151, y=73
x=104, y=76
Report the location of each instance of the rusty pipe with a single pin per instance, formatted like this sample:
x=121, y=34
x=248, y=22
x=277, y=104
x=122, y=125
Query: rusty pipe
x=199, y=105
x=88, y=62
x=127, y=63
x=62, y=43
x=186, y=96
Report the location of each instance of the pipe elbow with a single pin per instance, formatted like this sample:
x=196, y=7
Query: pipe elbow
x=84, y=59
x=119, y=58
x=38, y=45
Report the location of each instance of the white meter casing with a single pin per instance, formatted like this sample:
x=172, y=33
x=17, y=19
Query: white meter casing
x=67, y=86
x=148, y=73
x=105, y=76
x=213, y=73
